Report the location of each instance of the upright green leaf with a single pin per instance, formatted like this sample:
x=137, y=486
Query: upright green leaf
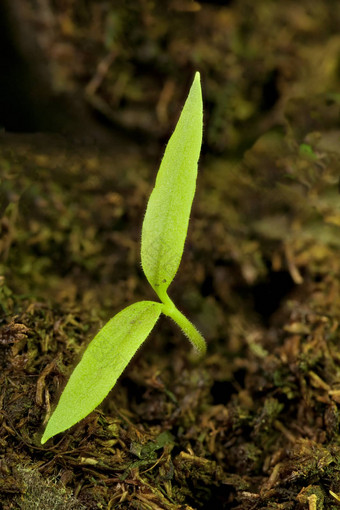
x=167, y=216
x=102, y=363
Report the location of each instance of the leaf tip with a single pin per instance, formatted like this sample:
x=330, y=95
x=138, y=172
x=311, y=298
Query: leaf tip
x=48, y=433
x=44, y=438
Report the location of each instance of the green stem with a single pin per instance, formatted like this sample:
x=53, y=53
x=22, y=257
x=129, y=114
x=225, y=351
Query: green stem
x=187, y=327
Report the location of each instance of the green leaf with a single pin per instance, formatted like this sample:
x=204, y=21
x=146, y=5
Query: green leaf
x=102, y=363
x=167, y=215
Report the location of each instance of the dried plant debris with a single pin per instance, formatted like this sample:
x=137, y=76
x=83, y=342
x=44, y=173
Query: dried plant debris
x=12, y=333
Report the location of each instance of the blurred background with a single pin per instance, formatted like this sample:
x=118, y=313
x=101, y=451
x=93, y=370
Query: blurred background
x=79, y=65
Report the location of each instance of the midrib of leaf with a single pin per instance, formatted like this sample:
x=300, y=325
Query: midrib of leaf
x=167, y=215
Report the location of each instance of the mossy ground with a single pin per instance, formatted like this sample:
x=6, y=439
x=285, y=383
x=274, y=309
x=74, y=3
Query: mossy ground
x=254, y=425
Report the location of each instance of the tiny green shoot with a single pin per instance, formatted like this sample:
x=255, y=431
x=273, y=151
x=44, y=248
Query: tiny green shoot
x=164, y=232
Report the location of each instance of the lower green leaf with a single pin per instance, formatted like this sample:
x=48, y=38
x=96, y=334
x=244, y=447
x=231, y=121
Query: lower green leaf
x=102, y=363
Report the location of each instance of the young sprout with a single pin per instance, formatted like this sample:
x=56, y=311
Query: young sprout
x=164, y=231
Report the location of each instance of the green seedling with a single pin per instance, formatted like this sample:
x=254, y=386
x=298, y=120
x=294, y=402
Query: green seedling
x=164, y=231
